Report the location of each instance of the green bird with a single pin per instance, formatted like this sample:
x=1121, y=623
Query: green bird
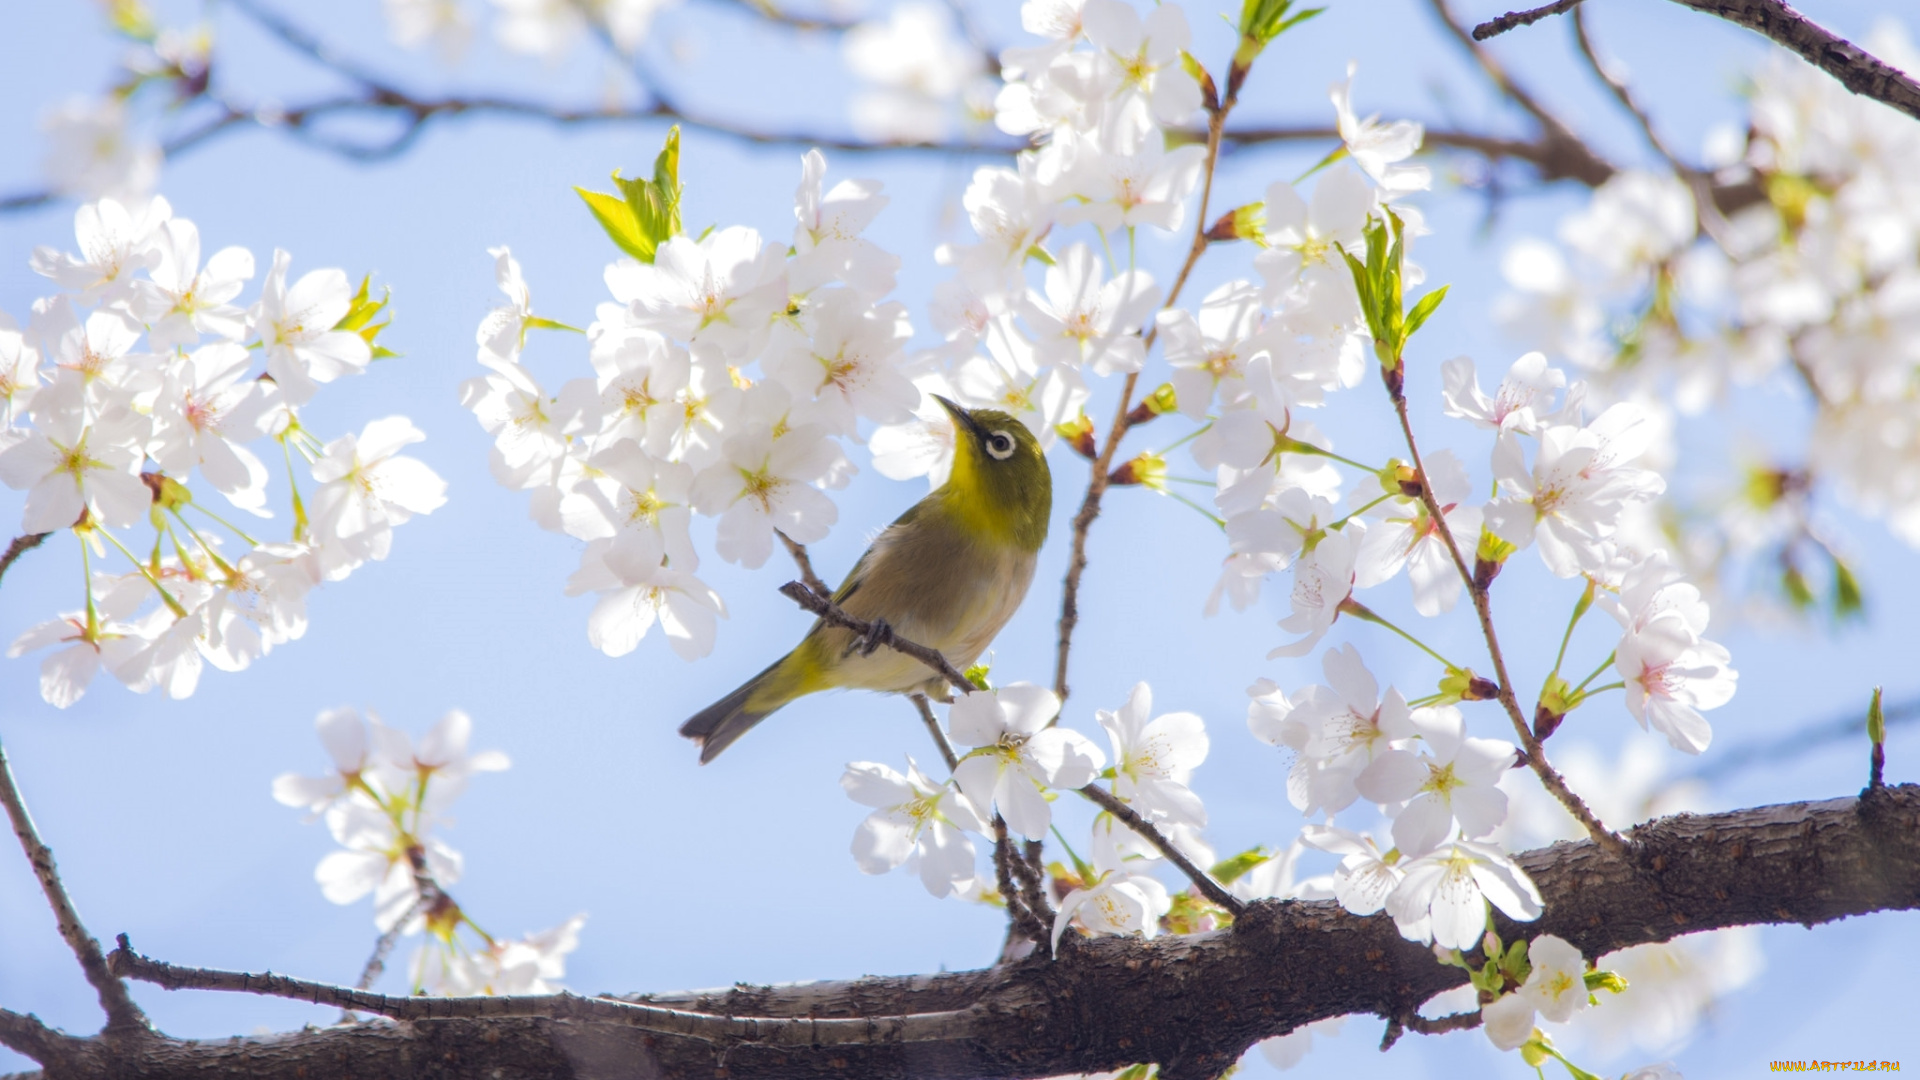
x=947, y=574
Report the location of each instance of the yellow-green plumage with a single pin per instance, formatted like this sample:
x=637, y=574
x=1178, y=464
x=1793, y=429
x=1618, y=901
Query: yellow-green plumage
x=948, y=574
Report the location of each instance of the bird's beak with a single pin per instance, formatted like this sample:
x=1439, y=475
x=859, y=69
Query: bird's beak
x=962, y=418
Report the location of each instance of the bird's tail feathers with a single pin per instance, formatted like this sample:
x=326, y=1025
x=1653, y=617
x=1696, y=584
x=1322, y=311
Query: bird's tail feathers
x=717, y=726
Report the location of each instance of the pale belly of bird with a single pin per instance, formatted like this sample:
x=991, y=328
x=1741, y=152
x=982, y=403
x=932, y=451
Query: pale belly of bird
x=957, y=605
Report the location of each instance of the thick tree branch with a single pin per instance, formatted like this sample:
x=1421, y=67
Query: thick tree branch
x=25, y=1034
x=122, y=1014
x=1191, y=1003
x=1855, y=68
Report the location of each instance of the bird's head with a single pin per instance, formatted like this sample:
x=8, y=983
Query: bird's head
x=1000, y=482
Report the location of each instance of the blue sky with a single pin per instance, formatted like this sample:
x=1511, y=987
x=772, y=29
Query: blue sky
x=160, y=811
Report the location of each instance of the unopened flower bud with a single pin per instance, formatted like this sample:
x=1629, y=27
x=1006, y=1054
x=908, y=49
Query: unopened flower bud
x=1159, y=403
x=1247, y=222
x=1148, y=469
x=1078, y=433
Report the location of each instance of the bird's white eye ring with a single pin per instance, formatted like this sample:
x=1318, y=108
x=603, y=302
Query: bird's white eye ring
x=1000, y=445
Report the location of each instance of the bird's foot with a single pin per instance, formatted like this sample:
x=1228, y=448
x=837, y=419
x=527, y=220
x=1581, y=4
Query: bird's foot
x=879, y=633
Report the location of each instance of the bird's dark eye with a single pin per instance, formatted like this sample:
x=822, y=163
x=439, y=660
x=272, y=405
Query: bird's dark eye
x=1000, y=445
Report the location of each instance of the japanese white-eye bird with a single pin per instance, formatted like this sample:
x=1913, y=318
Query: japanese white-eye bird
x=947, y=574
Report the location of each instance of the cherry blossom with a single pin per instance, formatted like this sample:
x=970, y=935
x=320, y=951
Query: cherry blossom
x=1018, y=755
x=1153, y=760
x=1444, y=894
x=1084, y=321
x=916, y=819
x=297, y=326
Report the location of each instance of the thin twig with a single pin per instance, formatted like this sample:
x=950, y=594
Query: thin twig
x=1413, y=1021
x=20, y=546
x=1555, y=134
x=925, y=709
x=1024, y=920
x=876, y=634
x=1202, y=880
x=122, y=1013
x=1103, y=464
x=1483, y=608
x=562, y=1006
x=800, y=559
x=1513, y=20
x=1624, y=96
x=773, y=13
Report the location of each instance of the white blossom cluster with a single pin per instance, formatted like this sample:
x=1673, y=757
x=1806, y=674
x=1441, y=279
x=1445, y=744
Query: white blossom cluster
x=677, y=419
x=1805, y=274
x=1018, y=757
x=383, y=801
x=547, y=29
x=141, y=380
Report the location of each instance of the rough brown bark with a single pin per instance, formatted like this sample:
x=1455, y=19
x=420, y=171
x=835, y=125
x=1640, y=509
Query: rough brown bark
x=1855, y=68
x=1193, y=1004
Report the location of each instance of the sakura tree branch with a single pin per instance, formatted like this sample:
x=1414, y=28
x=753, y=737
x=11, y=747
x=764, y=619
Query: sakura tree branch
x=925, y=709
x=874, y=635
x=1007, y=865
x=796, y=1031
x=1483, y=609
x=1191, y=1003
x=1202, y=880
x=1098, y=479
x=1854, y=67
x=1556, y=138
x=20, y=546
x=800, y=559
x=25, y=1034
x=1413, y=1021
x=122, y=1014
x=1513, y=20
x=1621, y=93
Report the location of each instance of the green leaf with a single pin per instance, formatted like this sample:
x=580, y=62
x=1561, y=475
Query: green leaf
x=1876, y=720
x=359, y=318
x=1228, y=870
x=1040, y=255
x=1428, y=303
x=535, y=322
x=1847, y=601
x=616, y=217
x=647, y=212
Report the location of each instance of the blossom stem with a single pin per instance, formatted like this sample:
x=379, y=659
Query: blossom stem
x=1187, y=438
x=153, y=579
x=1602, y=689
x=1550, y=778
x=229, y=526
x=1361, y=611
x=1343, y=521
x=86, y=578
x=1604, y=665
x=1103, y=464
x=1218, y=521
x=212, y=553
x=1579, y=610
x=293, y=485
